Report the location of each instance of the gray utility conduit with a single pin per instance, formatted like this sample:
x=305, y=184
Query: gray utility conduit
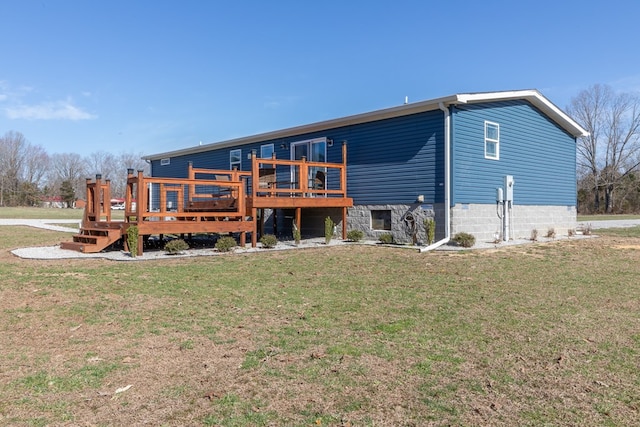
x=447, y=181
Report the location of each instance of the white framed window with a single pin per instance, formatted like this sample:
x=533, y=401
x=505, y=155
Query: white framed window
x=235, y=159
x=266, y=151
x=491, y=140
x=165, y=162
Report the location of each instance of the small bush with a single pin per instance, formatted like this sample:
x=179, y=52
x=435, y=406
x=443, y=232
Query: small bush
x=296, y=234
x=430, y=229
x=355, y=235
x=534, y=235
x=132, y=240
x=465, y=240
x=571, y=232
x=225, y=244
x=551, y=233
x=586, y=230
x=328, y=229
x=269, y=241
x=176, y=246
x=386, y=238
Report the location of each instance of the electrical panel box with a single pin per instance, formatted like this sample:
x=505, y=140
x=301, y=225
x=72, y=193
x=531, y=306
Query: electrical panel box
x=499, y=196
x=508, y=188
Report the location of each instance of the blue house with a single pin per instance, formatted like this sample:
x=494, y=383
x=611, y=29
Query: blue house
x=496, y=165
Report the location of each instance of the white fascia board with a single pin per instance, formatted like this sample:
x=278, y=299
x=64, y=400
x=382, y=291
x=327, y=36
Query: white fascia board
x=536, y=98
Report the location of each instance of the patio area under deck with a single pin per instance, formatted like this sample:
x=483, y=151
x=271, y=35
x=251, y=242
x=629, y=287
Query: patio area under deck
x=297, y=184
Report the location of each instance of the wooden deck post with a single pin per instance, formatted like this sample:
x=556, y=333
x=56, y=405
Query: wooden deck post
x=343, y=187
x=344, y=223
x=88, y=210
x=260, y=226
x=298, y=218
x=107, y=200
x=254, y=234
x=97, y=198
x=343, y=171
x=303, y=185
x=255, y=177
x=141, y=204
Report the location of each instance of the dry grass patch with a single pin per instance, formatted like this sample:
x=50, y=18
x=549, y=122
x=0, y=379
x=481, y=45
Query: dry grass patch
x=543, y=334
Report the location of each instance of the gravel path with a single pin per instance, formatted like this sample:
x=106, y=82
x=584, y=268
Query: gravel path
x=54, y=252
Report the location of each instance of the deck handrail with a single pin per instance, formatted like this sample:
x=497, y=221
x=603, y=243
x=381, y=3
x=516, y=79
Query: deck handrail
x=143, y=210
x=98, y=204
x=300, y=188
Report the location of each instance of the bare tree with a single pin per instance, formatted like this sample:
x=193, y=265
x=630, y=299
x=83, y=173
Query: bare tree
x=69, y=167
x=36, y=164
x=11, y=157
x=126, y=161
x=610, y=151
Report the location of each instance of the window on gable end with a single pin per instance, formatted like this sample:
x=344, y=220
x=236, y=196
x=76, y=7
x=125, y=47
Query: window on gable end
x=491, y=140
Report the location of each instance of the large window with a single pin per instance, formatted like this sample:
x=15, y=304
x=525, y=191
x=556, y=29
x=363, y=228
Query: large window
x=381, y=220
x=235, y=159
x=314, y=150
x=266, y=151
x=491, y=140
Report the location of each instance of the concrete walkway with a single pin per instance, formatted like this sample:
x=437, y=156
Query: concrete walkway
x=47, y=224
x=616, y=223
x=54, y=252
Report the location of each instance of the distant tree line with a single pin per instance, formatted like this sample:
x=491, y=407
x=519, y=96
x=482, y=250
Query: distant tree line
x=29, y=175
x=608, y=159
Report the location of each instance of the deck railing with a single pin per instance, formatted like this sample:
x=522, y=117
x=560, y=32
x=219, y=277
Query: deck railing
x=98, y=207
x=298, y=178
x=163, y=199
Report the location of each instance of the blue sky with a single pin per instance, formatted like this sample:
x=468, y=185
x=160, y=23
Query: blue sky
x=155, y=76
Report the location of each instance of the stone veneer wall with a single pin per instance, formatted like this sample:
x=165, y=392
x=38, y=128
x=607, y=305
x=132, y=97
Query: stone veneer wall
x=483, y=222
x=407, y=221
x=479, y=220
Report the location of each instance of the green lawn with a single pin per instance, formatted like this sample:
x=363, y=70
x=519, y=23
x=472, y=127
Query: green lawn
x=40, y=213
x=541, y=334
x=587, y=218
x=48, y=213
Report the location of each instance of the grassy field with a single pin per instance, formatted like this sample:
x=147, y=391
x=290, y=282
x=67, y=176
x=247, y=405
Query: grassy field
x=40, y=213
x=48, y=213
x=541, y=334
x=586, y=218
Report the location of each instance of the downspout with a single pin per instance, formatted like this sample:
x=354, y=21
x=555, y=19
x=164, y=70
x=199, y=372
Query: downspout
x=447, y=181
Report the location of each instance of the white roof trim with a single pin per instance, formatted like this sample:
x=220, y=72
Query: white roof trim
x=533, y=96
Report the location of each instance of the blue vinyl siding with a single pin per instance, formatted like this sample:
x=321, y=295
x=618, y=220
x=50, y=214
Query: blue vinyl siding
x=389, y=161
x=396, y=160
x=537, y=152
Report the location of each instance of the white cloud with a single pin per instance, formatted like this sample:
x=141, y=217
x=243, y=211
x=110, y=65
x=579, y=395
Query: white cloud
x=273, y=102
x=60, y=110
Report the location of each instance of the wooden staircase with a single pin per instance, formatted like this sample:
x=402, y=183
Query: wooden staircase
x=96, y=236
x=97, y=231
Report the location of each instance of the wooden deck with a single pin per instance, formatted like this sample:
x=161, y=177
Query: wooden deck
x=211, y=201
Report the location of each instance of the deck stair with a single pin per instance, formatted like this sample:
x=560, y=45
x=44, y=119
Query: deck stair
x=97, y=231
x=96, y=236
